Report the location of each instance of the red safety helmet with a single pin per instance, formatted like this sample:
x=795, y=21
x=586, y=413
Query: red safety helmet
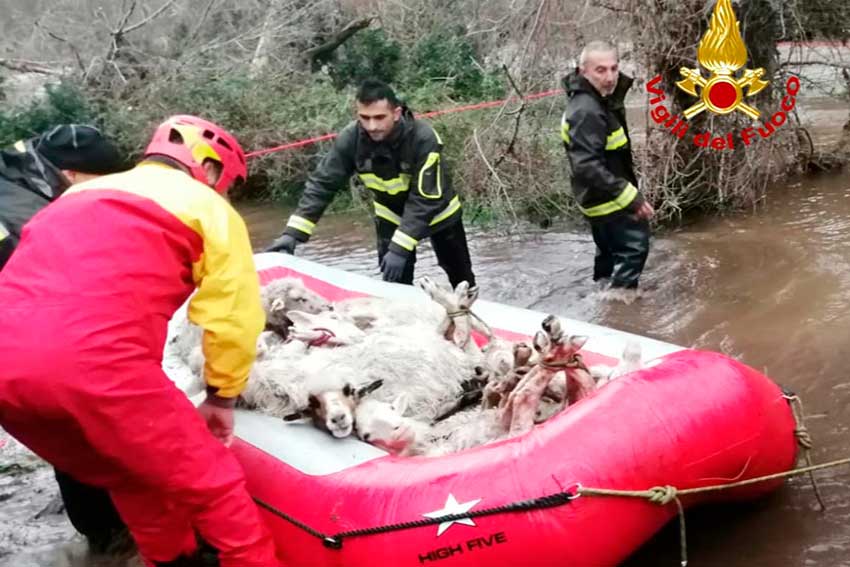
x=190, y=140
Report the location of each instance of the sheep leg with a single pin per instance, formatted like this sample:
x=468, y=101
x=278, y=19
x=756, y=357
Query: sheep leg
x=526, y=398
x=579, y=384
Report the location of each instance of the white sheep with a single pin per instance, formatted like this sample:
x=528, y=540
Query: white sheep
x=413, y=360
x=459, y=322
x=385, y=425
x=283, y=295
x=631, y=361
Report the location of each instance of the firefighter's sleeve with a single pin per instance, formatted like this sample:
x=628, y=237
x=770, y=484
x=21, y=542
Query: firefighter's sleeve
x=227, y=304
x=335, y=168
x=586, y=148
x=425, y=199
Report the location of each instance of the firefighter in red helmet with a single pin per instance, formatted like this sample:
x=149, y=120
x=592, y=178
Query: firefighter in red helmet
x=101, y=271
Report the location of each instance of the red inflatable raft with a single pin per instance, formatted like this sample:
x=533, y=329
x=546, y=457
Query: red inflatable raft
x=689, y=419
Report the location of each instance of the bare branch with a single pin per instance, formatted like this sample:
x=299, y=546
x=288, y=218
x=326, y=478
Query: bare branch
x=153, y=16
x=73, y=47
x=29, y=67
x=339, y=38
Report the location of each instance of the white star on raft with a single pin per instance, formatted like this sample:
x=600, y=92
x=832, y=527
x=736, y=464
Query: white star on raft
x=451, y=508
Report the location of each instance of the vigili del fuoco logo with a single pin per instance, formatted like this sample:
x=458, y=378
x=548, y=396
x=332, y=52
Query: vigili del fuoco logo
x=722, y=52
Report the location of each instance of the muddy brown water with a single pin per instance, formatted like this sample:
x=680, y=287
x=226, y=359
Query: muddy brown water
x=771, y=288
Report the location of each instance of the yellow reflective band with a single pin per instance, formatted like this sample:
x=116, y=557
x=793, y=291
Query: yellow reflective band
x=385, y=213
x=565, y=132
x=302, y=224
x=433, y=158
x=4, y=232
x=616, y=139
x=623, y=200
x=390, y=186
x=20, y=146
x=439, y=139
x=405, y=241
x=454, y=205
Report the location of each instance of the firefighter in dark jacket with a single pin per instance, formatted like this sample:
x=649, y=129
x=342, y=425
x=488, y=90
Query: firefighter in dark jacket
x=597, y=141
x=34, y=172
x=400, y=159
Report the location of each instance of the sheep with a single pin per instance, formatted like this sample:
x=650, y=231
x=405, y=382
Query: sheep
x=331, y=404
x=385, y=425
x=381, y=313
x=631, y=361
x=287, y=294
x=410, y=359
x=558, y=361
x=507, y=363
x=459, y=322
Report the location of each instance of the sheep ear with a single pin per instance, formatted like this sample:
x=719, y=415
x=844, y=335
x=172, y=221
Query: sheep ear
x=577, y=341
x=302, y=416
x=278, y=305
x=368, y=389
x=300, y=319
x=541, y=341
x=401, y=403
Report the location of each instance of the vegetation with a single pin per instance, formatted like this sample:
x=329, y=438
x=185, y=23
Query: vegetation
x=275, y=71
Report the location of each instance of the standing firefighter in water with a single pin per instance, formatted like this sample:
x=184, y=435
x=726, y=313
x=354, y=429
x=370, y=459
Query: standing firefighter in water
x=34, y=172
x=597, y=142
x=100, y=272
x=400, y=159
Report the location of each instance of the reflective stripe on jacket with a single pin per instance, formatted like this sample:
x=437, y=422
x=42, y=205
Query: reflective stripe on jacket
x=406, y=175
x=596, y=139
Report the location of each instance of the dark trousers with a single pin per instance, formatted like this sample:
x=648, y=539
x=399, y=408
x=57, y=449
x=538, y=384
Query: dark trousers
x=450, y=247
x=90, y=510
x=622, y=245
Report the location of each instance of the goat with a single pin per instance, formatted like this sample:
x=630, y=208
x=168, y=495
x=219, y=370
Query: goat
x=558, y=360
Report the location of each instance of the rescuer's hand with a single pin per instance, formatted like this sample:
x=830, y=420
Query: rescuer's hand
x=645, y=211
x=283, y=243
x=392, y=266
x=218, y=413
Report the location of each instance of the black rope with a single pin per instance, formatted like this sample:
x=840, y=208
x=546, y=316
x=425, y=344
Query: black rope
x=335, y=541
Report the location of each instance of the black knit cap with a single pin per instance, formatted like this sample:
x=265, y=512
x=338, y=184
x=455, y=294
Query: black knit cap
x=76, y=147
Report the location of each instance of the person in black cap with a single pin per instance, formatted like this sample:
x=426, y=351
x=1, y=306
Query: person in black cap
x=33, y=173
x=36, y=171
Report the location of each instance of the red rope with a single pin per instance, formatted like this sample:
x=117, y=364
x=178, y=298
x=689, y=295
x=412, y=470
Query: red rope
x=478, y=106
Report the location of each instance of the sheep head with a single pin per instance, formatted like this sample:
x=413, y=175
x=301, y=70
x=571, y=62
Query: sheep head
x=383, y=424
x=325, y=328
x=333, y=409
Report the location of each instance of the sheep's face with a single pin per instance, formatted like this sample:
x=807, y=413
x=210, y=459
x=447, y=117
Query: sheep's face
x=384, y=425
x=324, y=328
x=334, y=411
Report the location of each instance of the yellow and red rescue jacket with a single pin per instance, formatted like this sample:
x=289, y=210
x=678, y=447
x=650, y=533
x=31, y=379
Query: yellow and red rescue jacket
x=127, y=250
